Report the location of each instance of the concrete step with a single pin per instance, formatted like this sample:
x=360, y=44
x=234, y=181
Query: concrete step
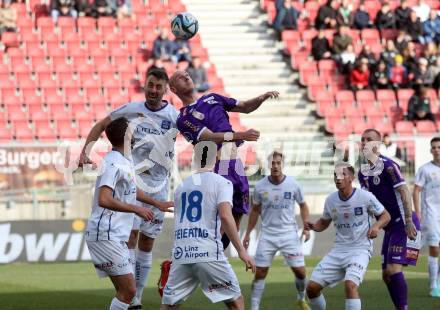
x=280, y=123
x=251, y=44
x=259, y=89
x=267, y=79
x=270, y=110
x=260, y=66
x=254, y=73
x=242, y=51
x=230, y=37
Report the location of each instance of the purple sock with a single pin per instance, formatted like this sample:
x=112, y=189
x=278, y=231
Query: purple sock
x=398, y=291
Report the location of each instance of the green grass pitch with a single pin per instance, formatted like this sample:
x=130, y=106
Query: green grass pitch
x=76, y=286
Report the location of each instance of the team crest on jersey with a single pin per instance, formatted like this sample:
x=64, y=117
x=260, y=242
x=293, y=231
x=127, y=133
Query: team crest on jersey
x=376, y=180
x=198, y=115
x=165, y=124
x=265, y=196
x=358, y=211
x=287, y=195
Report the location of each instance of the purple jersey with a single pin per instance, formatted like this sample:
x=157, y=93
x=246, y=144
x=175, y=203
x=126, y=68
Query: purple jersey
x=208, y=112
x=382, y=179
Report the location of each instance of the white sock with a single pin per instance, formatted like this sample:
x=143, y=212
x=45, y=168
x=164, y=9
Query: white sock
x=433, y=271
x=143, y=267
x=118, y=305
x=301, y=288
x=133, y=259
x=318, y=303
x=257, y=292
x=352, y=304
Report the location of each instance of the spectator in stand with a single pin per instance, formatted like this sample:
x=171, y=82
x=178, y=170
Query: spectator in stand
x=62, y=8
x=182, y=65
x=156, y=65
x=102, y=8
x=424, y=76
x=389, y=149
x=360, y=76
x=347, y=59
x=422, y=10
x=379, y=77
x=8, y=17
x=198, y=75
x=123, y=9
x=431, y=53
x=414, y=28
x=182, y=50
x=431, y=28
x=385, y=18
x=398, y=74
x=163, y=47
x=419, y=107
x=327, y=15
x=410, y=59
x=344, y=13
x=402, y=14
x=389, y=54
x=83, y=8
x=436, y=70
x=360, y=19
x=341, y=40
x=402, y=40
x=286, y=18
x=369, y=55
x=320, y=46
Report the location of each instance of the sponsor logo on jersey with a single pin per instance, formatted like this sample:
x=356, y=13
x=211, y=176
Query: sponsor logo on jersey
x=165, y=124
x=198, y=115
x=210, y=100
x=220, y=286
x=104, y=266
x=178, y=252
x=287, y=195
x=358, y=211
x=412, y=254
x=191, y=126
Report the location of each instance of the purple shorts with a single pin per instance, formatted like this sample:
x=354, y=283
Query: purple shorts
x=233, y=170
x=394, y=247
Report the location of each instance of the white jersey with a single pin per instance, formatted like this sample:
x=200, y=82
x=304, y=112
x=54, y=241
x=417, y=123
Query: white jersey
x=117, y=173
x=196, y=221
x=154, y=136
x=278, y=205
x=428, y=178
x=352, y=218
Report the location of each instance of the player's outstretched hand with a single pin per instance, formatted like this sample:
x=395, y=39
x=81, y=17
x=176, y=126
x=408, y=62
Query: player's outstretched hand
x=308, y=226
x=306, y=234
x=249, y=261
x=410, y=229
x=246, y=240
x=85, y=160
x=144, y=213
x=166, y=206
x=373, y=232
x=251, y=135
x=271, y=95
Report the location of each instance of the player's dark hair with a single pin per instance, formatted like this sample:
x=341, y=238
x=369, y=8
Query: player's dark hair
x=159, y=74
x=205, y=154
x=375, y=131
x=275, y=154
x=115, y=131
x=435, y=139
x=345, y=165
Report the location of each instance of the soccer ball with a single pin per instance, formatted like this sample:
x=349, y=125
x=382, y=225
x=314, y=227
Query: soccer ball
x=184, y=26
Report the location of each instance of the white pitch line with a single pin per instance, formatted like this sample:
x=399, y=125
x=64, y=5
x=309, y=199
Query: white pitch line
x=417, y=273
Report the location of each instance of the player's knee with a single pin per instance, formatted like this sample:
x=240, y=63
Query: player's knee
x=237, y=304
x=300, y=272
x=261, y=273
x=313, y=289
x=126, y=294
x=385, y=276
x=351, y=289
x=131, y=244
x=145, y=243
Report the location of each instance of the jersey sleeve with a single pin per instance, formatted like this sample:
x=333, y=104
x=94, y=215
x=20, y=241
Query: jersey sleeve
x=299, y=194
x=122, y=111
x=420, y=179
x=393, y=174
x=326, y=214
x=109, y=175
x=362, y=181
x=225, y=192
x=190, y=127
x=374, y=205
x=227, y=102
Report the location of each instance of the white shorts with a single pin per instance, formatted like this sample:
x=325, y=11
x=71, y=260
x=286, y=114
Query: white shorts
x=338, y=265
x=431, y=233
x=154, y=227
x=111, y=258
x=217, y=279
x=290, y=246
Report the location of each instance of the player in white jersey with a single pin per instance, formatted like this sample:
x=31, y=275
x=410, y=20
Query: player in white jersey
x=427, y=183
x=351, y=210
x=114, y=206
x=274, y=199
x=153, y=123
x=203, y=206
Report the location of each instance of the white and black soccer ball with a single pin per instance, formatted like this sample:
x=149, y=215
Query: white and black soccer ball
x=184, y=26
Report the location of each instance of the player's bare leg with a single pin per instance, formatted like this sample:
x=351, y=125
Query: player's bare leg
x=144, y=259
x=396, y=283
x=317, y=300
x=352, y=300
x=131, y=244
x=433, y=268
x=237, y=304
x=125, y=291
x=300, y=284
x=258, y=287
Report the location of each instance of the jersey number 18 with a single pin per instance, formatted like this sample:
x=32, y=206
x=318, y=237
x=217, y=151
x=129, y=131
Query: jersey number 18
x=194, y=209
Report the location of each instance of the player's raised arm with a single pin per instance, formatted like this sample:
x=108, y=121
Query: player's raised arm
x=251, y=105
x=164, y=206
x=230, y=228
x=253, y=219
x=106, y=200
x=220, y=137
x=405, y=194
x=92, y=137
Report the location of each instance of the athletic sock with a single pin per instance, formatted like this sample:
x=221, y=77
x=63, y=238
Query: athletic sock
x=398, y=291
x=257, y=293
x=118, y=305
x=318, y=303
x=133, y=259
x=225, y=241
x=433, y=271
x=352, y=304
x=143, y=267
x=301, y=288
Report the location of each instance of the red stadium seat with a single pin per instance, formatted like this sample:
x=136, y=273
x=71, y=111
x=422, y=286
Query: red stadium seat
x=370, y=36
x=10, y=39
x=86, y=24
x=365, y=98
x=404, y=128
x=384, y=127
x=23, y=133
x=5, y=134
x=425, y=127
x=345, y=98
x=403, y=96
x=106, y=25
x=45, y=133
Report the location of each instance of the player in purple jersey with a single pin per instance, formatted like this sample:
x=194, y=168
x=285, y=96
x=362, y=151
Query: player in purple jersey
x=206, y=119
x=401, y=244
